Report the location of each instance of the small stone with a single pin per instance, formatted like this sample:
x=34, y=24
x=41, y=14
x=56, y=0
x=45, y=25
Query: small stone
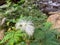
x=1, y=34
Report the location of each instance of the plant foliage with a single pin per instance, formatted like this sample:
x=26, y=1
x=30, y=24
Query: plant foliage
x=45, y=36
x=13, y=36
x=25, y=9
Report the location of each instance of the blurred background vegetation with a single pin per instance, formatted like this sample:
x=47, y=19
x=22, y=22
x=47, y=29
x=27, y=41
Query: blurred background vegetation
x=14, y=10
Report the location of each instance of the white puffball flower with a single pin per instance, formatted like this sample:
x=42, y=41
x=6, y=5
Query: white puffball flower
x=26, y=26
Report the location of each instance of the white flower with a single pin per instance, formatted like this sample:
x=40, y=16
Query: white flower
x=26, y=26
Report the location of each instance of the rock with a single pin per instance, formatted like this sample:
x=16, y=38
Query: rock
x=1, y=34
x=56, y=12
x=47, y=6
x=54, y=18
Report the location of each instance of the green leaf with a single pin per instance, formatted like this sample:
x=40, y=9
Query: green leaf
x=39, y=34
x=46, y=26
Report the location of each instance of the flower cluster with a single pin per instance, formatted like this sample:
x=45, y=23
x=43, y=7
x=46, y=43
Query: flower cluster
x=26, y=26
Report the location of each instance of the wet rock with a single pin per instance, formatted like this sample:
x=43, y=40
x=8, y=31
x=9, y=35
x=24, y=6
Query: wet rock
x=47, y=6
